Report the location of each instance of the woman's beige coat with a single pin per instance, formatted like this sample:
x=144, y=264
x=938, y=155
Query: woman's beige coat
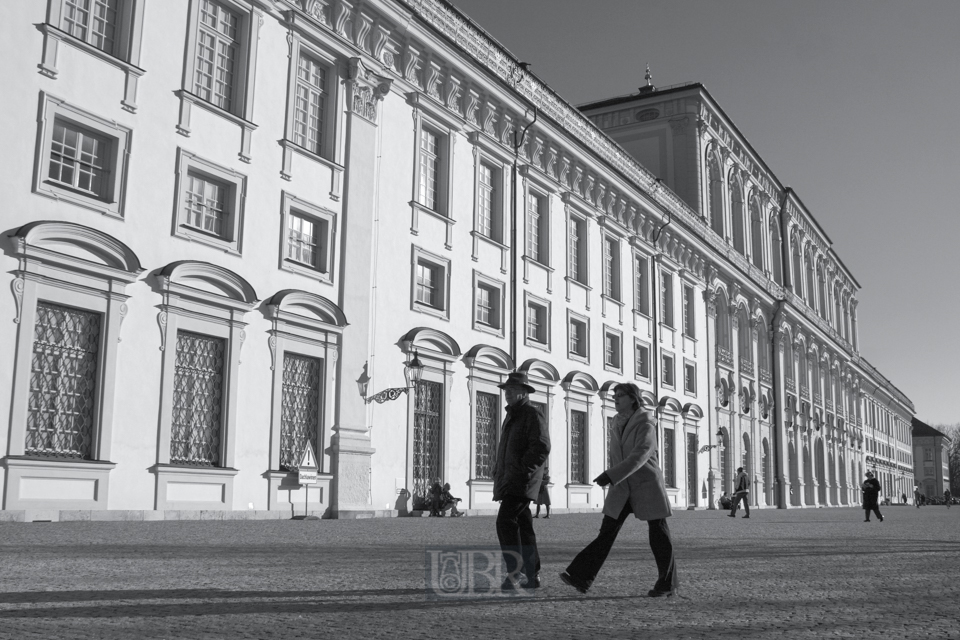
x=635, y=470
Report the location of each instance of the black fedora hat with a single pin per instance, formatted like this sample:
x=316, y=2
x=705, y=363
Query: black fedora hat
x=518, y=379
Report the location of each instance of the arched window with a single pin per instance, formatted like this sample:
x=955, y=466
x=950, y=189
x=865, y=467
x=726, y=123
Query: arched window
x=756, y=232
x=776, y=255
x=836, y=309
x=821, y=292
x=763, y=346
x=736, y=214
x=715, y=191
x=724, y=337
x=788, y=357
x=797, y=267
x=811, y=289
x=744, y=335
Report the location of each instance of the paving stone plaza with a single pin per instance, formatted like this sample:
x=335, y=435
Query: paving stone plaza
x=784, y=574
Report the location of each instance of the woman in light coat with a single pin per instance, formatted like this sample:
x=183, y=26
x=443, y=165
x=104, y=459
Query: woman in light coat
x=637, y=488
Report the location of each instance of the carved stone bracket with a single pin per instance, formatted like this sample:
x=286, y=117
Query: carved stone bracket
x=123, y=314
x=272, y=345
x=17, y=286
x=162, y=323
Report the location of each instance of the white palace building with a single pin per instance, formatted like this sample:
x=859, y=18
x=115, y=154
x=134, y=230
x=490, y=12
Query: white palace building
x=233, y=229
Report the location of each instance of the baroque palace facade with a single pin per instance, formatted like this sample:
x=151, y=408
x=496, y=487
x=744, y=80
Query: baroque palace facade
x=237, y=224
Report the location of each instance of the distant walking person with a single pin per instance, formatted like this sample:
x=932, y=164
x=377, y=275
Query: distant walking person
x=917, y=496
x=946, y=497
x=741, y=491
x=524, y=446
x=543, y=498
x=636, y=487
x=871, y=494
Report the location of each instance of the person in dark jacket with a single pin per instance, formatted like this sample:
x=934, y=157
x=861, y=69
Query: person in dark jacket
x=871, y=493
x=543, y=498
x=521, y=454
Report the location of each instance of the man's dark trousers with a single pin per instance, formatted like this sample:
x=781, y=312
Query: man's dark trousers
x=515, y=531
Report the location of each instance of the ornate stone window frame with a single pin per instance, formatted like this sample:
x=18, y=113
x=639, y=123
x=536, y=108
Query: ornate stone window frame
x=207, y=299
x=573, y=316
x=305, y=324
x=497, y=288
x=617, y=335
x=127, y=60
x=637, y=346
x=489, y=152
x=243, y=92
x=433, y=116
x=330, y=155
x=118, y=139
x=442, y=266
x=68, y=264
x=579, y=389
x=487, y=367
x=292, y=205
x=533, y=184
x=528, y=300
x=236, y=184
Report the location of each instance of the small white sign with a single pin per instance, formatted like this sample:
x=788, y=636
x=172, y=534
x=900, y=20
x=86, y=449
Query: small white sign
x=308, y=466
x=307, y=477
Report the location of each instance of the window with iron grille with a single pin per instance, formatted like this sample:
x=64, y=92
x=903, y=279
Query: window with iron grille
x=577, y=249
x=537, y=227
x=300, y=408
x=427, y=437
x=309, y=108
x=642, y=284
x=197, y=400
x=642, y=361
x=96, y=22
x=218, y=44
x=578, y=447
x=669, y=458
x=689, y=313
x=611, y=268
x=63, y=382
x=488, y=424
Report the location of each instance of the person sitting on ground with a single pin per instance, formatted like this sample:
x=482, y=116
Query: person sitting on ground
x=724, y=501
x=447, y=501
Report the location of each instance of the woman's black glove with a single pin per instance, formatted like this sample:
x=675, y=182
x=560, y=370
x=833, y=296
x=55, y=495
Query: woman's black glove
x=603, y=479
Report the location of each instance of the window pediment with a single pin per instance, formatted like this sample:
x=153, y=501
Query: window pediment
x=77, y=248
x=431, y=340
x=580, y=381
x=307, y=309
x=540, y=369
x=489, y=357
x=207, y=283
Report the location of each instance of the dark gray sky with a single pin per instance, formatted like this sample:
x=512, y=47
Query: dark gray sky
x=854, y=103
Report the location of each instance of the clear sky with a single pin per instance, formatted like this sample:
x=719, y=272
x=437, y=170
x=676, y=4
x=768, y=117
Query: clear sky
x=854, y=104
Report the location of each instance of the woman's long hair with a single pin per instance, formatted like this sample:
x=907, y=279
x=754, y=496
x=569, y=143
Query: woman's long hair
x=631, y=390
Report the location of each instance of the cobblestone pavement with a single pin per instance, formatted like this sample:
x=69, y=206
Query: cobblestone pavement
x=785, y=574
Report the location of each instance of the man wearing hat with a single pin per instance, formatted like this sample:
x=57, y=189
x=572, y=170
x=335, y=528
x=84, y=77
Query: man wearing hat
x=521, y=454
x=871, y=496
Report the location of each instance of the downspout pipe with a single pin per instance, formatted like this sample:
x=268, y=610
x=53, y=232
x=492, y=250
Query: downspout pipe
x=518, y=138
x=780, y=405
x=655, y=364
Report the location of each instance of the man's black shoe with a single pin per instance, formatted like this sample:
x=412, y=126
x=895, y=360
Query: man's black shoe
x=533, y=582
x=579, y=585
x=657, y=593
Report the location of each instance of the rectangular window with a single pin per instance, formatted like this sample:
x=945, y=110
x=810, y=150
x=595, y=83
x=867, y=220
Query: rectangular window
x=488, y=305
x=488, y=424
x=428, y=284
x=669, y=458
x=488, y=201
x=218, y=44
x=689, y=313
x=300, y=412
x=667, y=362
x=611, y=350
x=61, y=414
x=642, y=361
x=666, y=300
x=306, y=241
x=690, y=377
x=578, y=447
x=578, y=338
x=429, y=194
x=537, y=227
x=576, y=250
x=536, y=323
x=205, y=204
x=309, y=111
x=642, y=285
x=197, y=400
x=611, y=268
x=79, y=159
x=94, y=21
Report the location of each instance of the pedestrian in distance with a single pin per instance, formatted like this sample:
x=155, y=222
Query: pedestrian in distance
x=543, y=498
x=946, y=497
x=903, y=499
x=449, y=501
x=636, y=486
x=871, y=495
x=741, y=492
x=917, y=496
x=517, y=475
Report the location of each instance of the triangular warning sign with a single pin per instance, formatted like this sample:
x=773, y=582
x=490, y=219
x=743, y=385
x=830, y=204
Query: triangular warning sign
x=309, y=460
